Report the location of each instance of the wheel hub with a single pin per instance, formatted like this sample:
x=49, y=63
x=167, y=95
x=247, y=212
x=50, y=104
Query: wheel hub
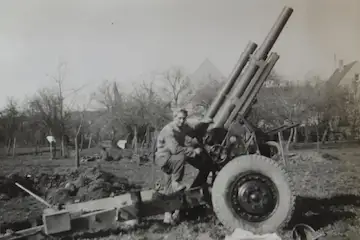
x=254, y=197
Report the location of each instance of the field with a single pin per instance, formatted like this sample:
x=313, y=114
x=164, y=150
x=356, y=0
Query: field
x=327, y=184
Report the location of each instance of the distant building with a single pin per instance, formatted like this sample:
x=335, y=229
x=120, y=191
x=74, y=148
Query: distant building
x=351, y=78
x=206, y=73
x=344, y=75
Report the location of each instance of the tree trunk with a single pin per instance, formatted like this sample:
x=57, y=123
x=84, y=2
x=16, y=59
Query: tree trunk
x=148, y=136
x=98, y=137
x=54, y=152
x=317, y=138
x=113, y=136
x=81, y=141
x=63, y=154
x=295, y=135
x=36, y=149
x=289, y=140
x=77, y=154
x=135, y=147
x=306, y=133
x=324, y=135
x=154, y=144
x=8, y=147
x=14, y=148
x=51, y=150
x=90, y=139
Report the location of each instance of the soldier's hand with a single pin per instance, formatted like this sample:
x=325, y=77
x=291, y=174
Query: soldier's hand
x=207, y=120
x=197, y=151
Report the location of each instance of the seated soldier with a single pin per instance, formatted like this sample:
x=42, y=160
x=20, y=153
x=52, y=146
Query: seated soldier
x=172, y=152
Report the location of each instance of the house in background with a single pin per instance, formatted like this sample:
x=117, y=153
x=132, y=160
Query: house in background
x=205, y=74
x=344, y=75
x=351, y=78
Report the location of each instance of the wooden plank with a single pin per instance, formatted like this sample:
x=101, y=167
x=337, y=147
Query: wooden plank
x=126, y=200
x=94, y=221
x=57, y=221
x=161, y=204
x=150, y=208
x=100, y=220
x=109, y=203
x=104, y=216
x=151, y=204
x=22, y=233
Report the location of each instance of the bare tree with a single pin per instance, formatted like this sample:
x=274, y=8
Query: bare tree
x=113, y=102
x=176, y=86
x=105, y=95
x=352, y=110
x=12, y=119
x=131, y=115
x=47, y=106
x=77, y=124
x=204, y=95
x=152, y=109
x=59, y=80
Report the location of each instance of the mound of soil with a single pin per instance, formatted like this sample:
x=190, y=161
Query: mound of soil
x=79, y=185
x=114, y=153
x=89, y=185
x=9, y=190
x=329, y=157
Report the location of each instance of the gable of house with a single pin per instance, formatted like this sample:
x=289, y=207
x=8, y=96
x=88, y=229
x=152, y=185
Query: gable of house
x=206, y=73
x=352, y=75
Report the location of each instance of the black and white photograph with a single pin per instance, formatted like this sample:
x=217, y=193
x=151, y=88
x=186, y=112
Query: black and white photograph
x=180, y=120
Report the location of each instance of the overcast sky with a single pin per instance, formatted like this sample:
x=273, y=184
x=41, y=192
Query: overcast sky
x=123, y=39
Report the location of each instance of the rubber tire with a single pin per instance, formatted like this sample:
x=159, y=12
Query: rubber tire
x=267, y=167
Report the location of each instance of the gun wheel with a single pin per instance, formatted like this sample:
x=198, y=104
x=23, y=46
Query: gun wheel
x=253, y=193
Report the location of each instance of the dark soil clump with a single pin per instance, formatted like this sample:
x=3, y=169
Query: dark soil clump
x=77, y=185
x=89, y=185
x=8, y=188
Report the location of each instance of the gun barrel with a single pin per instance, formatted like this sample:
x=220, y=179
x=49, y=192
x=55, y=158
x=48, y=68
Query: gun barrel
x=233, y=103
x=244, y=58
x=274, y=33
x=254, y=87
x=262, y=52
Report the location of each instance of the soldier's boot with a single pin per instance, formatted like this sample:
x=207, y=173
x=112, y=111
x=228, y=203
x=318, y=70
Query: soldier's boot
x=172, y=219
x=176, y=216
x=168, y=218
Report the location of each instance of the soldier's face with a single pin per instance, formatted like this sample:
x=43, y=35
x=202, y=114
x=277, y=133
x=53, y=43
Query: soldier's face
x=180, y=119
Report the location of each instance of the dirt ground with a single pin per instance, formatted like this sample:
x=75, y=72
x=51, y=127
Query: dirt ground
x=327, y=184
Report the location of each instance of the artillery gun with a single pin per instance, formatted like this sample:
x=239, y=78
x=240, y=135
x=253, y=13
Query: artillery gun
x=250, y=189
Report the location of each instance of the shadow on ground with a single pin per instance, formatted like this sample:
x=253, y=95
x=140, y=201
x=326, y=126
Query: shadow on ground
x=156, y=227
x=320, y=212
